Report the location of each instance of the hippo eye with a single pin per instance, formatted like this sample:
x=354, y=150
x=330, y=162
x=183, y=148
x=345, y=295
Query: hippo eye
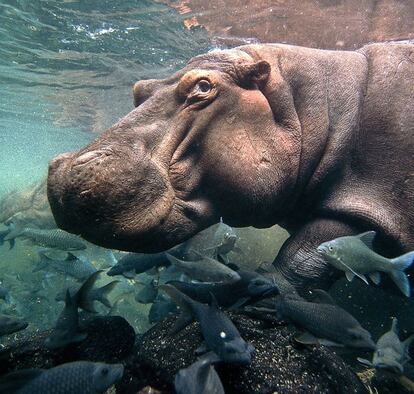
x=203, y=86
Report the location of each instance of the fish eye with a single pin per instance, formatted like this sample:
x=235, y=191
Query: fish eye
x=203, y=86
x=104, y=371
x=330, y=248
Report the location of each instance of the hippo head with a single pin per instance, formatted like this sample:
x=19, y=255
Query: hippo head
x=217, y=139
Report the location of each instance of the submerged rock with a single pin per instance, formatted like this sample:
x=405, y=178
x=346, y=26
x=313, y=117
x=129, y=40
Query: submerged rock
x=110, y=339
x=277, y=366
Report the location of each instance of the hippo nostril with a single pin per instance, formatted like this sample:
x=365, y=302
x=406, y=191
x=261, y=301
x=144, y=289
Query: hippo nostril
x=87, y=158
x=58, y=160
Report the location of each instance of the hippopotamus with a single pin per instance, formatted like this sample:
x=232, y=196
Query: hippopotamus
x=320, y=142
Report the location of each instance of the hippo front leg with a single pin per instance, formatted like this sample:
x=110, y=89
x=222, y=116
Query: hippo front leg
x=301, y=264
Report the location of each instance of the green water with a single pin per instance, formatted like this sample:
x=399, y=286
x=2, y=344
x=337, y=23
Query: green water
x=67, y=68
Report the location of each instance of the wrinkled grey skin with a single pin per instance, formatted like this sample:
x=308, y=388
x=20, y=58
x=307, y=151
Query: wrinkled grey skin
x=320, y=142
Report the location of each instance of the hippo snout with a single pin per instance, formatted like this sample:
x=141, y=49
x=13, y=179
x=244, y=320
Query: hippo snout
x=59, y=160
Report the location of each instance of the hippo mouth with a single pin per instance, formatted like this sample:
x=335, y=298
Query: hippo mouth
x=94, y=195
x=121, y=200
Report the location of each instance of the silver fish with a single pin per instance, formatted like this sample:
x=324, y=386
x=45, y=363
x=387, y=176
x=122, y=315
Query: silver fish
x=55, y=238
x=354, y=256
x=205, y=269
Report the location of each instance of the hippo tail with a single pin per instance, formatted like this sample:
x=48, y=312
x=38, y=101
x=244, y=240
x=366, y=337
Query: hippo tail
x=399, y=264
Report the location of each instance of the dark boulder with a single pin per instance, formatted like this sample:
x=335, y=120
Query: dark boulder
x=278, y=365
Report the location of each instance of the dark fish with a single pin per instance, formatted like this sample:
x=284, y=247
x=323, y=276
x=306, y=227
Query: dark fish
x=55, y=238
x=10, y=324
x=161, y=308
x=390, y=353
x=325, y=322
x=205, y=269
x=3, y=234
x=220, y=334
x=67, y=330
x=147, y=293
x=137, y=263
x=94, y=294
x=251, y=287
x=72, y=266
x=5, y=295
x=199, y=378
x=354, y=256
x=79, y=377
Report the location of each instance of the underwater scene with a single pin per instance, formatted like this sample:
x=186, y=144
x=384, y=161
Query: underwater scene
x=206, y=197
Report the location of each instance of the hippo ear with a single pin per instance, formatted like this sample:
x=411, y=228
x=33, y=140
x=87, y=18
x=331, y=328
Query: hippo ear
x=254, y=73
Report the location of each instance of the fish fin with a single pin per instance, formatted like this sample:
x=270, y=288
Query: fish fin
x=202, y=349
x=239, y=303
x=354, y=273
x=365, y=362
x=79, y=337
x=306, y=338
x=237, y=250
x=407, y=343
x=42, y=264
x=13, y=382
x=174, y=260
x=183, y=320
x=129, y=274
x=16, y=230
x=213, y=301
x=233, y=266
x=322, y=297
x=375, y=277
x=12, y=242
x=104, y=291
x=181, y=299
x=112, y=257
x=152, y=271
x=198, y=253
x=403, y=262
x=401, y=280
x=327, y=342
x=71, y=257
x=367, y=238
x=81, y=295
x=394, y=325
x=223, y=259
x=349, y=275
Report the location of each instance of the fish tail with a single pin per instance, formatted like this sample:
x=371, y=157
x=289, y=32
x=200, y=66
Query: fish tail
x=403, y=262
x=81, y=296
x=398, y=265
x=15, y=231
x=181, y=299
x=104, y=291
x=401, y=280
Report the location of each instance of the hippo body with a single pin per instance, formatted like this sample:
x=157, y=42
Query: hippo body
x=320, y=142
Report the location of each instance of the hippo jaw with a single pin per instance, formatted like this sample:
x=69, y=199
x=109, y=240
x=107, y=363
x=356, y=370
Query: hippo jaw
x=200, y=145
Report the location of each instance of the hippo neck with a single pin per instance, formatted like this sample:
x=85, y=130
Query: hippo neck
x=327, y=89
